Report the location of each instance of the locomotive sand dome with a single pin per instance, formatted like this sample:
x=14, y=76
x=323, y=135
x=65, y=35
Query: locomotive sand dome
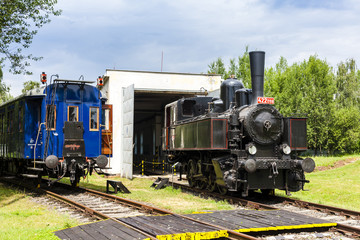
x=238, y=142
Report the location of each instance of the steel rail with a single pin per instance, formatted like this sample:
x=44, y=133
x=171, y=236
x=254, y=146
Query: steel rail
x=302, y=204
x=77, y=205
x=321, y=207
x=230, y=199
x=232, y=234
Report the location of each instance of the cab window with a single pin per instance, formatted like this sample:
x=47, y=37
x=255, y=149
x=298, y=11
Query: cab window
x=94, y=118
x=51, y=117
x=73, y=113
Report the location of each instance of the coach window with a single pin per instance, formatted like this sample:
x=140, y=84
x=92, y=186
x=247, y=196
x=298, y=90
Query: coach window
x=73, y=113
x=10, y=121
x=21, y=116
x=51, y=117
x=1, y=123
x=94, y=119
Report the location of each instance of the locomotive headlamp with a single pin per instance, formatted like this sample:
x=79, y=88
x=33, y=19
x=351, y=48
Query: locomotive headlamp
x=286, y=149
x=251, y=148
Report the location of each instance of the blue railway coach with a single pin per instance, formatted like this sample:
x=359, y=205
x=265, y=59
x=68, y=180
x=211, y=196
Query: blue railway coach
x=53, y=131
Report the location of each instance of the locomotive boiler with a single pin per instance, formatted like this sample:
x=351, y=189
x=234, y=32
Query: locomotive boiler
x=239, y=142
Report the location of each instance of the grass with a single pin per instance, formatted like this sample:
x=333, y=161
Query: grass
x=339, y=187
x=330, y=161
x=23, y=219
x=167, y=198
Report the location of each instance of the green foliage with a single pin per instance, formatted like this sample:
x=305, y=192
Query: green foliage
x=19, y=21
x=345, y=131
x=305, y=89
x=239, y=70
x=347, y=84
x=30, y=85
x=218, y=67
x=4, y=90
x=243, y=68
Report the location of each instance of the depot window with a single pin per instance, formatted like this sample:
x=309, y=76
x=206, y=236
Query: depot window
x=94, y=119
x=73, y=113
x=51, y=117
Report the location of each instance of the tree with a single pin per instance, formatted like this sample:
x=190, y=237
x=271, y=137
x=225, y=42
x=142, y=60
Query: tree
x=218, y=67
x=240, y=70
x=347, y=84
x=305, y=89
x=345, y=131
x=30, y=85
x=19, y=21
x=4, y=90
x=243, y=68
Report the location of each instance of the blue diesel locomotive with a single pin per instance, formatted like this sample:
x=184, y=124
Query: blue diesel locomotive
x=52, y=131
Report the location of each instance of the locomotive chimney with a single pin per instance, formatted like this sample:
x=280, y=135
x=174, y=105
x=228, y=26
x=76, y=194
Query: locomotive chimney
x=257, y=64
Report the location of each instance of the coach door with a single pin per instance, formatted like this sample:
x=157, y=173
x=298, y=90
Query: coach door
x=106, y=135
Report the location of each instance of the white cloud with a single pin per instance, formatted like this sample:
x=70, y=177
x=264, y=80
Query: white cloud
x=91, y=36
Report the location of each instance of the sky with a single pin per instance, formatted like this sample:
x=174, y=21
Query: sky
x=92, y=36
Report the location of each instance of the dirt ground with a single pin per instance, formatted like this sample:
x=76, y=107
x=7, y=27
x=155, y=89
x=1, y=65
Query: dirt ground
x=337, y=164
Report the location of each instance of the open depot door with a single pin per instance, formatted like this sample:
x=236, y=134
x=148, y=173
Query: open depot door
x=128, y=131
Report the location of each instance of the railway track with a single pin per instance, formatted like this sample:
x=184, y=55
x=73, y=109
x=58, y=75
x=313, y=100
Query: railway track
x=344, y=225
x=105, y=206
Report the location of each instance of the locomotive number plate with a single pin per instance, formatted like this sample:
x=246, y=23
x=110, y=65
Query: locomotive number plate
x=265, y=100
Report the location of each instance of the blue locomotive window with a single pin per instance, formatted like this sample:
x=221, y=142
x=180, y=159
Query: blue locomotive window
x=51, y=117
x=94, y=119
x=73, y=113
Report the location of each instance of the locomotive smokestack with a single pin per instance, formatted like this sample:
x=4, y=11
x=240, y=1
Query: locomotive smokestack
x=257, y=65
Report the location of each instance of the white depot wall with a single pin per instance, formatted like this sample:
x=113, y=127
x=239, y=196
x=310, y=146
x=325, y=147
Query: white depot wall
x=114, y=86
x=165, y=81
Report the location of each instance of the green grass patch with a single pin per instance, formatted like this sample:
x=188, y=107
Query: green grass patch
x=167, y=198
x=322, y=161
x=23, y=219
x=338, y=187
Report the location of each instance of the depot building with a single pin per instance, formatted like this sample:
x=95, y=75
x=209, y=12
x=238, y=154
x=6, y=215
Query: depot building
x=133, y=113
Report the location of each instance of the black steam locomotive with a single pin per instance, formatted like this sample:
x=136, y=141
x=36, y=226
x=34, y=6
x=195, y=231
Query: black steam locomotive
x=239, y=142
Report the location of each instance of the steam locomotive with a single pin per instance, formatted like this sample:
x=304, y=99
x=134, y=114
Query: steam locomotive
x=52, y=131
x=239, y=142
